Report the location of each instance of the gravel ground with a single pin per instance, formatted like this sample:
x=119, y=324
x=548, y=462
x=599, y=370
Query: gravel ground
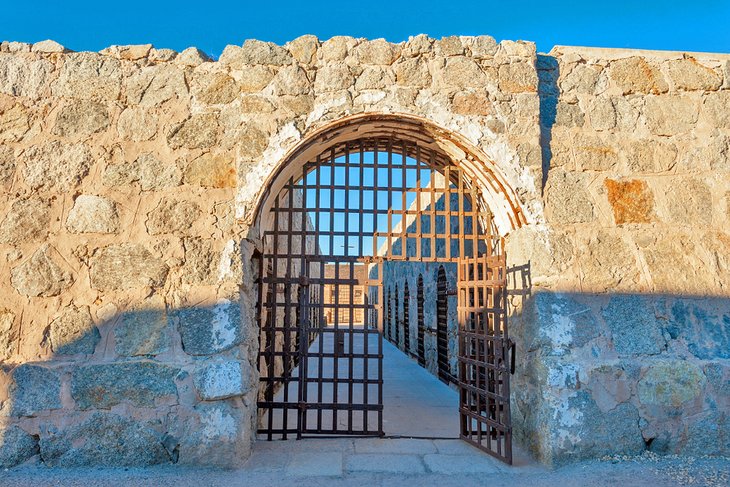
x=645, y=470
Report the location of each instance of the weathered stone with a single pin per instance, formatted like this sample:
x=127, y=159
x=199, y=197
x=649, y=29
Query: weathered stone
x=291, y=80
x=27, y=221
x=689, y=75
x=7, y=335
x=569, y=115
x=258, y=52
x=209, y=330
x=56, y=166
x=89, y=76
x=141, y=384
x=215, y=435
x=255, y=78
x=333, y=77
x=104, y=439
x=253, y=143
x=336, y=48
x=198, y=131
x=449, y=46
x=520, y=77
x=567, y=198
x=460, y=73
x=671, y=115
x=81, y=118
x=23, y=77
x=702, y=328
x=201, y=262
x=125, y=266
x=602, y=114
x=192, y=56
x=634, y=327
x=155, y=174
x=154, y=85
x=373, y=78
x=93, y=214
x=74, y=332
x=137, y=124
x=162, y=55
x=172, y=216
x=637, y=75
x=565, y=323
x=128, y=53
x=214, y=88
x=691, y=202
x=304, y=48
x=16, y=446
x=708, y=435
x=412, y=72
x=594, y=153
x=671, y=383
x=261, y=104
x=610, y=386
x=582, y=78
x=481, y=47
x=650, y=156
x=7, y=165
x=33, y=389
x=221, y=380
x=41, y=275
x=14, y=122
x=472, y=103
x=211, y=170
x=143, y=329
x=47, y=46
x=631, y=200
x=378, y=51
x=609, y=263
x=716, y=109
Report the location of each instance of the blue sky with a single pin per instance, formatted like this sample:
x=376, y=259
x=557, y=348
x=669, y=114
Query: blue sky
x=211, y=25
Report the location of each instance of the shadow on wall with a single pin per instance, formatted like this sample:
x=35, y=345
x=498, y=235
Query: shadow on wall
x=149, y=386
x=547, y=87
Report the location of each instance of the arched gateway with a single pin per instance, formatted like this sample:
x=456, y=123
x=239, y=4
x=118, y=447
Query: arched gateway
x=350, y=206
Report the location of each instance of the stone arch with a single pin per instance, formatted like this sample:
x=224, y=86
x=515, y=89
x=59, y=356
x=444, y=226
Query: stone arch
x=481, y=171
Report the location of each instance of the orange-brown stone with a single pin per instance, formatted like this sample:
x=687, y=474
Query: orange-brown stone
x=632, y=201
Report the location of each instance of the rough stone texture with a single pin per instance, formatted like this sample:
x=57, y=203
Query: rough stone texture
x=155, y=85
x=144, y=329
x=211, y=171
x=142, y=384
x=633, y=325
x=209, y=330
x=637, y=75
x=126, y=266
x=137, y=124
x=27, y=221
x=632, y=201
x=199, y=131
x=671, y=383
x=104, y=439
x=44, y=274
x=74, y=332
x=670, y=115
x=568, y=198
x=93, y=214
x=81, y=118
x=56, y=166
x=89, y=76
x=172, y=216
x=33, y=389
x=220, y=380
x=7, y=337
x=688, y=75
x=16, y=446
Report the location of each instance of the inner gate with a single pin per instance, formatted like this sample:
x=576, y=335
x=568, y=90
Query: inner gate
x=324, y=307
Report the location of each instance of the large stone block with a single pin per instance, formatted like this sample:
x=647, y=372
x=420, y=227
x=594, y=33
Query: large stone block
x=634, y=327
x=594, y=153
x=27, y=221
x=44, y=274
x=704, y=328
x=172, y=216
x=93, y=214
x=89, y=76
x=201, y=262
x=104, y=440
x=197, y=132
x=412, y=72
x=14, y=122
x=304, y=48
x=671, y=115
x=142, y=384
x=564, y=323
x=377, y=51
x=143, y=329
x=154, y=174
x=687, y=74
x=716, y=109
x=708, y=434
x=16, y=446
x=20, y=76
x=221, y=380
x=214, y=88
x=258, y=52
x=154, y=85
x=81, y=118
x=253, y=79
x=209, y=330
x=608, y=263
x=567, y=197
x=582, y=78
x=73, y=332
x=125, y=266
x=333, y=77
x=650, y=156
x=292, y=80
x=631, y=200
x=461, y=72
x=137, y=124
x=216, y=435
x=637, y=75
x=211, y=170
x=519, y=77
x=671, y=383
x=691, y=203
x=56, y=166
x=33, y=389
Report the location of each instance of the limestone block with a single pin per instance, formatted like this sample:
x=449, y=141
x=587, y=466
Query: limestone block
x=14, y=122
x=33, y=389
x=7, y=337
x=602, y=113
x=14, y=46
x=687, y=74
x=448, y=46
x=192, y=56
x=631, y=200
x=93, y=214
x=162, y=55
x=634, y=327
x=47, y=46
x=569, y=115
x=125, y=266
x=105, y=439
x=581, y=78
x=216, y=435
x=291, y=80
x=460, y=73
x=7, y=165
x=201, y=262
x=198, y=131
x=304, y=48
x=564, y=323
x=209, y=330
x=336, y=48
x=701, y=327
x=128, y=53
x=221, y=380
x=143, y=329
x=472, y=103
x=567, y=198
x=73, y=332
x=650, y=156
x=594, y=153
x=27, y=221
x=412, y=72
x=211, y=170
x=89, y=76
x=258, y=52
x=691, y=202
x=23, y=77
x=44, y=274
x=142, y=384
x=373, y=78
x=56, y=166
x=16, y=446
x=260, y=104
x=417, y=45
x=671, y=383
x=172, y=216
x=137, y=124
x=637, y=75
x=377, y=51
x=81, y=118
x=671, y=115
x=608, y=263
x=153, y=85
x=214, y=88
x=253, y=143
x=253, y=79
x=716, y=109
x=520, y=77
x=154, y=174
x=333, y=77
